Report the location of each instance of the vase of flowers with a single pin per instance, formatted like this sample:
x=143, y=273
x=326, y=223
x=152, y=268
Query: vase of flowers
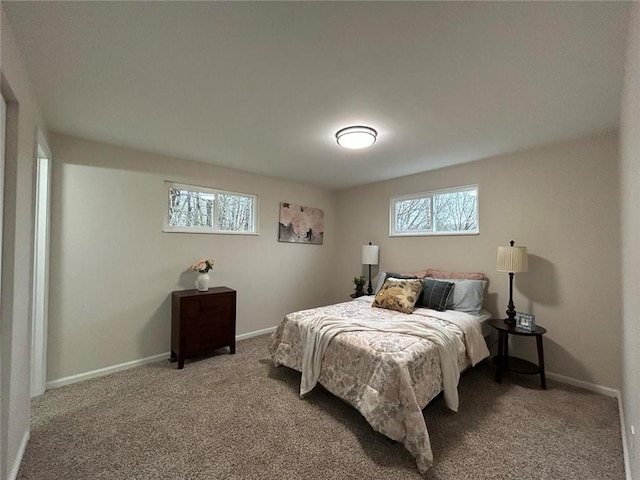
x=203, y=267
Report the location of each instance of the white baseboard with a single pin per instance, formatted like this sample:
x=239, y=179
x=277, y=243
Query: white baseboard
x=257, y=333
x=61, y=382
x=13, y=473
x=610, y=392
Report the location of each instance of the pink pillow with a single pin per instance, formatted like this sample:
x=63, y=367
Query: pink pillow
x=419, y=274
x=444, y=275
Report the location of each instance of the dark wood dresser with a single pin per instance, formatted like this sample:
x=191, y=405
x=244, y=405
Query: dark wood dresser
x=201, y=322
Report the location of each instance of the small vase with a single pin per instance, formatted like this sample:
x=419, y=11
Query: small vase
x=202, y=282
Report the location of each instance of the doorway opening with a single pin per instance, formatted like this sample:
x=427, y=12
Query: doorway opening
x=40, y=301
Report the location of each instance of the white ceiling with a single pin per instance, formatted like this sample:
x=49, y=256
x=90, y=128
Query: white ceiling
x=264, y=86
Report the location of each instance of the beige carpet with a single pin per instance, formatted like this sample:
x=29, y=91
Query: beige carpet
x=238, y=417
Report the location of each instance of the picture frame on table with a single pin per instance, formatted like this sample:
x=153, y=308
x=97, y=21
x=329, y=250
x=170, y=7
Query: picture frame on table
x=525, y=321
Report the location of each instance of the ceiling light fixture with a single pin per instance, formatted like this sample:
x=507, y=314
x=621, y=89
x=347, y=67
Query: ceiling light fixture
x=356, y=137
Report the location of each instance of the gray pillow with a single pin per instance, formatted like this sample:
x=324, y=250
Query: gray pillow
x=436, y=294
x=467, y=296
x=382, y=276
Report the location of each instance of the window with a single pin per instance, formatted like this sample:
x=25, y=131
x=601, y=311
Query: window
x=444, y=212
x=205, y=210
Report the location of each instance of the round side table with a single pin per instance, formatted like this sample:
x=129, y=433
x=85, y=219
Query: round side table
x=506, y=363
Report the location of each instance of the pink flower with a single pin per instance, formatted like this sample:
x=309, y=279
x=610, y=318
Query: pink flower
x=203, y=266
x=286, y=214
x=301, y=224
x=316, y=217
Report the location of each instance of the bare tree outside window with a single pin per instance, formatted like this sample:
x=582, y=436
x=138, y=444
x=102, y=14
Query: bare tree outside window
x=235, y=212
x=456, y=211
x=413, y=214
x=452, y=211
x=190, y=209
x=205, y=210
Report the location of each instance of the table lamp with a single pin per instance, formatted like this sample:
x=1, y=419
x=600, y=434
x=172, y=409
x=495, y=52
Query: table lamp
x=512, y=259
x=370, y=257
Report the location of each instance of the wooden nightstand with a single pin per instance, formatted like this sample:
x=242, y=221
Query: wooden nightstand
x=505, y=362
x=201, y=322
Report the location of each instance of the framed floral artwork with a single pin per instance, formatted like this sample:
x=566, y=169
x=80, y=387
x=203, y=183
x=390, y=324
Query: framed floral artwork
x=299, y=224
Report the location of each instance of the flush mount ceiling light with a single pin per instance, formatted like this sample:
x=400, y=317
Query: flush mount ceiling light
x=356, y=137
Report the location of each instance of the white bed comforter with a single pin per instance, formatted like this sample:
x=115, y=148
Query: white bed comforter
x=317, y=332
x=388, y=375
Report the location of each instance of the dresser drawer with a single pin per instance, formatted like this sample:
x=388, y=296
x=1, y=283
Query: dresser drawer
x=208, y=324
x=215, y=337
x=221, y=302
x=211, y=305
x=208, y=336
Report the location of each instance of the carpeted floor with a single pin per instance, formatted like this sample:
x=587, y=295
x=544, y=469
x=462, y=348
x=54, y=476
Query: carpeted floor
x=238, y=417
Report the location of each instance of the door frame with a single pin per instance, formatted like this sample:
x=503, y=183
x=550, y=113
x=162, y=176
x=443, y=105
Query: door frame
x=3, y=142
x=40, y=278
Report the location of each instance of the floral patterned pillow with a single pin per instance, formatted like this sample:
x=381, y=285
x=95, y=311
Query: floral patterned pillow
x=399, y=294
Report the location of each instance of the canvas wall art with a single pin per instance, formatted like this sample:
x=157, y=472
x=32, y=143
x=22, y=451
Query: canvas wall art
x=299, y=224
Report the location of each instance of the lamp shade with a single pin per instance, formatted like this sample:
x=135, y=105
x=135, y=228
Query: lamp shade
x=370, y=254
x=512, y=259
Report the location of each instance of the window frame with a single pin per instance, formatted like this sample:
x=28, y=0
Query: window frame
x=431, y=194
x=210, y=230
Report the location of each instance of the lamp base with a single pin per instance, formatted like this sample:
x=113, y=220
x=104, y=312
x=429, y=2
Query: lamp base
x=511, y=308
x=511, y=315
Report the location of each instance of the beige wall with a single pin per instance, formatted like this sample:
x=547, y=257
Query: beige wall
x=630, y=201
x=112, y=267
x=23, y=119
x=562, y=203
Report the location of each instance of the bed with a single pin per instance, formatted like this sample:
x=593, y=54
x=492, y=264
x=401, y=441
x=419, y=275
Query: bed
x=386, y=363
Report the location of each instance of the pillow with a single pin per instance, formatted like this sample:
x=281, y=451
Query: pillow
x=382, y=276
x=399, y=294
x=436, y=294
x=418, y=274
x=467, y=296
x=445, y=275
